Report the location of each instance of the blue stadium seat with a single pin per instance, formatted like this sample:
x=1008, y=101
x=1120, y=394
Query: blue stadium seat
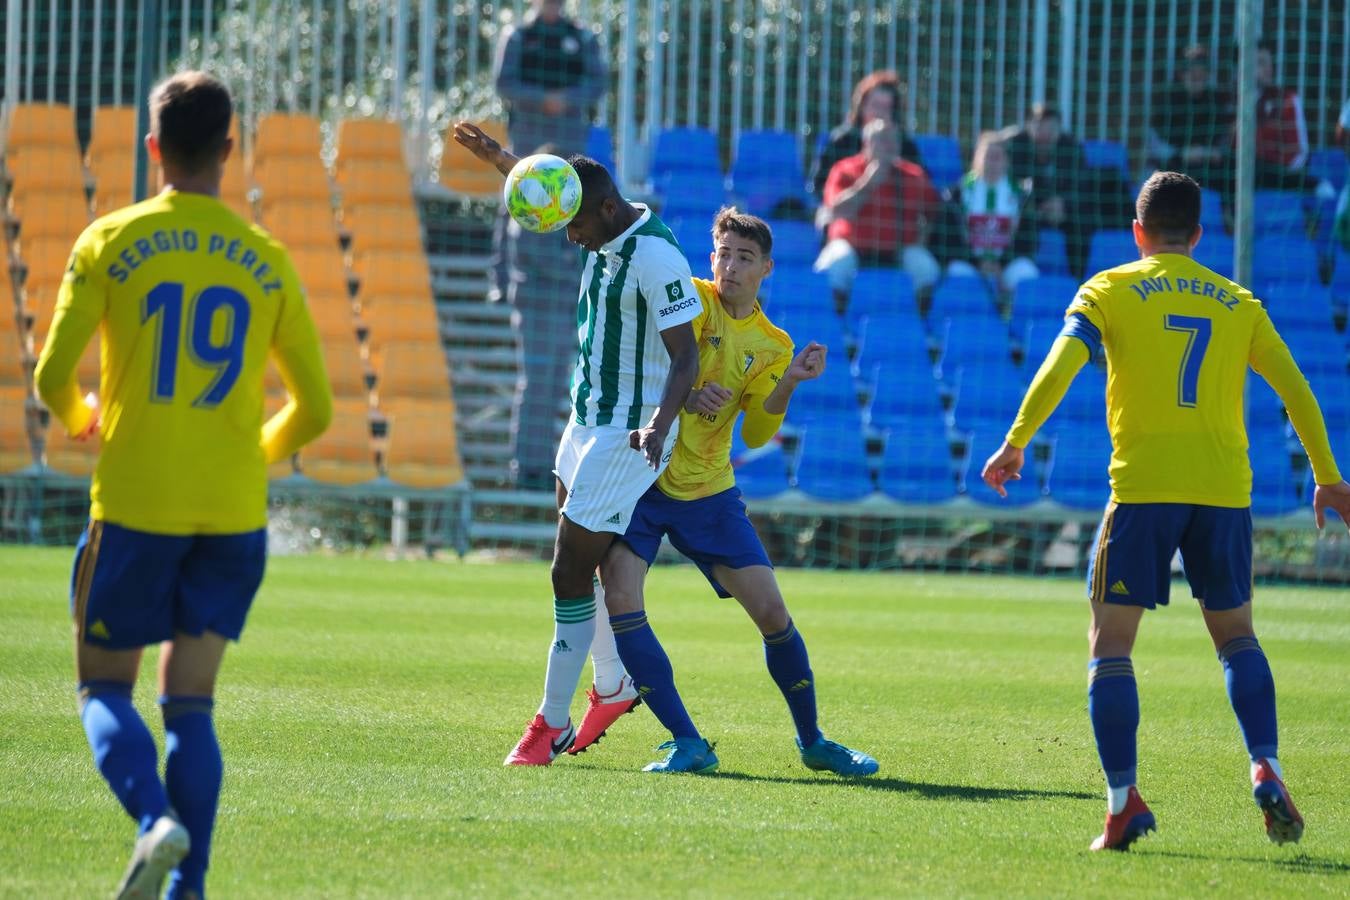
x=1110, y=248
x=1042, y=299
x=768, y=171
x=834, y=392
x=890, y=334
x=1289, y=258
x=988, y=393
x=1317, y=350
x=1295, y=305
x=794, y=243
x=905, y=391
x=975, y=340
x=816, y=322
x=684, y=149
x=1211, y=212
x=881, y=290
x=1340, y=279
x=1329, y=164
x=1265, y=409
x=962, y=297
x=695, y=239
x=1079, y=478
x=1278, y=212
x=1052, y=252
x=791, y=287
x=833, y=463
x=692, y=193
x=600, y=147
x=1084, y=404
x=1107, y=155
x=1274, y=482
x=1333, y=396
x=917, y=464
x=1215, y=252
x=985, y=437
x=762, y=472
x=941, y=159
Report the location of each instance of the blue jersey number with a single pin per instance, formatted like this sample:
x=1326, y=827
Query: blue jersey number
x=220, y=348
x=1197, y=330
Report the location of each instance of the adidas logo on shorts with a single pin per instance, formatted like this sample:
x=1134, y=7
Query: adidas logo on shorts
x=1120, y=588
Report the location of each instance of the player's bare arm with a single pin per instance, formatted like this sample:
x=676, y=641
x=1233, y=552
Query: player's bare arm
x=1335, y=497
x=683, y=349
x=1004, y=466
x=807, y=365
x=477, y=142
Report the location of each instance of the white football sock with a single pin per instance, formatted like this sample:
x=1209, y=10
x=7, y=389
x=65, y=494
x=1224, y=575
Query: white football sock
x=609, y=671
x=574, y=626
x=1274, y=767
x=1116, y=798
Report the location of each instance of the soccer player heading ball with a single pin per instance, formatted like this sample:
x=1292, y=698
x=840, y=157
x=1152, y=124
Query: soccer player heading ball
x=636, y=366
x=192, y=301
x=1179, y=339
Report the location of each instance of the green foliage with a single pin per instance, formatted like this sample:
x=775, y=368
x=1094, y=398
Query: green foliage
x=365, y=715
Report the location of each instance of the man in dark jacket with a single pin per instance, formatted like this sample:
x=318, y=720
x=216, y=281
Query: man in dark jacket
x=1049, y=166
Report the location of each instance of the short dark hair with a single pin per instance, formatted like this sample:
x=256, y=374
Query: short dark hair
x=1168, y=207
x=1042, y=111
x=190, y=117
x=752, y=228
x=596, y=182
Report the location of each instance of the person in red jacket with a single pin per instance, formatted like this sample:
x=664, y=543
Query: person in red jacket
x=1281, y=134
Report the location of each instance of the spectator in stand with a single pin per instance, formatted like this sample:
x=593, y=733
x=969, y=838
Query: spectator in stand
x=877, y=96
x=1049, y=167
x=1342, y=227
x=1192, y=128
x=880, y=209
x=550, y=74
x=998, y=240
x=1282, y=134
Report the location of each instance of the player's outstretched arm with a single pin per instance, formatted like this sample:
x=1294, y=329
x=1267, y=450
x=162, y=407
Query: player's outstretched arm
x=764, y=418
x=481, y=145
x=683, y=349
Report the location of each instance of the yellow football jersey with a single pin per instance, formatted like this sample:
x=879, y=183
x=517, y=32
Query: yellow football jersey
x=1179, y=339
x=191, y=300
x=747, y=357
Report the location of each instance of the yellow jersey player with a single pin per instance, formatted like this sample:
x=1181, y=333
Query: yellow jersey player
x=191, y=300
x=746, y=364
x=1179, y=339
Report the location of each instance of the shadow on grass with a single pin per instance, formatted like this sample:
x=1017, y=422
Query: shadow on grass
x=923, y=788
x=1301, y=864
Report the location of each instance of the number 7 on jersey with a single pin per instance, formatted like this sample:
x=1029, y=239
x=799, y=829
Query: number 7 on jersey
x=1197, y=330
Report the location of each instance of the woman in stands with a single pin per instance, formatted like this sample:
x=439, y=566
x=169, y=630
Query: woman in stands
x=879, y=95
x=996, y=237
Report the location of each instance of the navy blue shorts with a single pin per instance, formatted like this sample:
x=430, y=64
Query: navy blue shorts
x=131, y=588
x=710, y=531
x=1132, y=557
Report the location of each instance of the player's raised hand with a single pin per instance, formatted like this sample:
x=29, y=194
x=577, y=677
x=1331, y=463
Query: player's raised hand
x=708, y=399
x=1002, y=467
x=650, y=441
x=1335, y=497
x=95, y=419
x=478, y=142
x=809, y=363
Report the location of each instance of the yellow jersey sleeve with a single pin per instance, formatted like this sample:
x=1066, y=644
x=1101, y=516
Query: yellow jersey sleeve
x=1271, y=359
x=758, y=426
x=80, y=305
x=299, y=358
x=1048, y=388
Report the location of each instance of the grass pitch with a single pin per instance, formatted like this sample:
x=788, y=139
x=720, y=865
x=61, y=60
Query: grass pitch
x=365, y=716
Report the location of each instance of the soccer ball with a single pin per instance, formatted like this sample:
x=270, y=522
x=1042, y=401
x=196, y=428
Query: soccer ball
x=542, y=193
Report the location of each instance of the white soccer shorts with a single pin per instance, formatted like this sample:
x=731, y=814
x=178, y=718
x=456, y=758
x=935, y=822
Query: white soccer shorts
x=604, y=476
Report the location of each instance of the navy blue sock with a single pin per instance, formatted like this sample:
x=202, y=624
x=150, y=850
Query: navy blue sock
x=192, y=772
x=649, y=667
x=1251, y=690
x=790, y=669
x=123, y=749
x=1113, y=705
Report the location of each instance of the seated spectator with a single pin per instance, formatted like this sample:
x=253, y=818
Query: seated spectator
x=1193, y=125
x=998, y=240
x=1282, y=134
x=880, y=208
x=1343, y=204
x=877, y=96
x=1049, y=167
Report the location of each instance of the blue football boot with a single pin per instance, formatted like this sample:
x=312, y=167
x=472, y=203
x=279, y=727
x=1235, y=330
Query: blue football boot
x=686, y=755
x=827, y=756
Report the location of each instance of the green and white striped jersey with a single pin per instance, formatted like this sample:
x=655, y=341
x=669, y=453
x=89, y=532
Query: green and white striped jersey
x=632, y=289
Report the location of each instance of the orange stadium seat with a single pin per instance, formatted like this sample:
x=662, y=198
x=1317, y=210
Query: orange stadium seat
x=114, y=182
x=394, y=274
x=414, y=369
x=113, y=132
x=41, y=305
x=58, y=214
x=333, y=317
x=41, y=168
x=423, y=451
x=69, y=456
x=398, y=320
x=346, y=373
x=282, y=178
x=40, y=123
x=300, y=223
x=464, y=173
x=321, y=271
x=369, y=139
x=343, y=454
x=374, y=182
x=286, y=134
x=15, y=453
x=384, y=228
x=13, y=350
x=45, y=259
